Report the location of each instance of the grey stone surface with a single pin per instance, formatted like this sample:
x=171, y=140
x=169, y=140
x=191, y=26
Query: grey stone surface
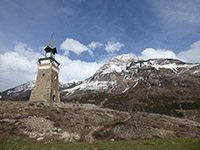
x=46, y=87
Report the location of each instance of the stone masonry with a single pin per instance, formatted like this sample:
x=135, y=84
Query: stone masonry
x=46, y=88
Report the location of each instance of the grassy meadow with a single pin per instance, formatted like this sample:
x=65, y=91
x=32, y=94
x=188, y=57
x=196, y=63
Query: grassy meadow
x=152, y=144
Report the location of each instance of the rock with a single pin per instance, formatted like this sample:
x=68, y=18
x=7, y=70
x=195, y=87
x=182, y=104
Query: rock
x=41, y=134
x=76, y=137
x=11, y=121
x=70, y=137
x=65, y=136
x=40, y=138
x=55, y=129
x=39, y=124
x=17, y=123
x=55, y=133
x=59, y=130
x=29, y=128
x=32, y=135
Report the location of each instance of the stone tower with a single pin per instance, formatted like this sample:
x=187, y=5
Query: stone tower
x=46, y=86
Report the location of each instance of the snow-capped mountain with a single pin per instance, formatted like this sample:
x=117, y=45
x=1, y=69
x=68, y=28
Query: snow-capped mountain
x=21, y=92
x=101, y=80
x=124, y=73
x=22, y=88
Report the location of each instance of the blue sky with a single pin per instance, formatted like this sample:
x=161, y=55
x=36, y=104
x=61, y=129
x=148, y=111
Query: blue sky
x=147, y=28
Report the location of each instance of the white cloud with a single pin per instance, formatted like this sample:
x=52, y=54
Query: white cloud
x=150, y=53
x=20, y=65
x=93, y=45
x=111, y=47
x=76, y=69
x=192, y=54
x=75, y=46
x=27, y=52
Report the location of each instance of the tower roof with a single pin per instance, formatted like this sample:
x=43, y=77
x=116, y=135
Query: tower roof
x=50, y=47
x=51, y=42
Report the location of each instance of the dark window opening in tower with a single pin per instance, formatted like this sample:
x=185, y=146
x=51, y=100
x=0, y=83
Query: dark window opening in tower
x=54, y=98
x=43, y=74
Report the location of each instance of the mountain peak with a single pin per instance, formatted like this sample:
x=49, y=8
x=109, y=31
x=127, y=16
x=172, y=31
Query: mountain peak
x=126, y=58
x=118, y=64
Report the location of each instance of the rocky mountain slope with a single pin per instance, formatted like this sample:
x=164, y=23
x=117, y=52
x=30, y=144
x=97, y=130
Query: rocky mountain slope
x=124, y=73
x=165, y=86
x=48, y=122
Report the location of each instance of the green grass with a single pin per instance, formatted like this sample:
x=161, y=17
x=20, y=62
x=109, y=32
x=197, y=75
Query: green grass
x=154, y=144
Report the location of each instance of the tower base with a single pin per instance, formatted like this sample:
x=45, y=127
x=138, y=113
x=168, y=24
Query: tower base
x=44, y=95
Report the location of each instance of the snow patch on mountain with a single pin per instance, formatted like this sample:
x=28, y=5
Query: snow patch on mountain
x=22, y=88
x=113, y=67
x=118, y=64
x=166, y=64
x=74, y=81
x=126, y=58
x=93, y=85
x=172, y=66
x=197, y=71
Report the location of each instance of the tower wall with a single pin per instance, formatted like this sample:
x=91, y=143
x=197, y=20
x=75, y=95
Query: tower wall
x=46, y=87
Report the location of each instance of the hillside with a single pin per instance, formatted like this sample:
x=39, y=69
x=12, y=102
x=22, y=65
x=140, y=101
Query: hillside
x=48, y=122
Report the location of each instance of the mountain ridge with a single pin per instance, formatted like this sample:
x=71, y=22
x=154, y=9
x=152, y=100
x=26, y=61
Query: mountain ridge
x=130, y=71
